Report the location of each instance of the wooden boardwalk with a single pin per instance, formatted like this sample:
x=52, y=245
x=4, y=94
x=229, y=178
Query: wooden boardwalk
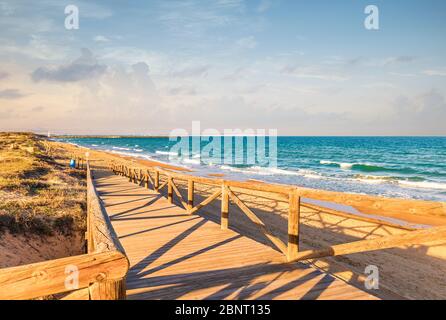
x=174, y=255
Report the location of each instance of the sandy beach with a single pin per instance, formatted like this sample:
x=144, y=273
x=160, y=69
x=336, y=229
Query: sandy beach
x=412, y=272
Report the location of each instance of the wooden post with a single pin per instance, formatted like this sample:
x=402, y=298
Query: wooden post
x=169, y=189
x=147, y=179
x=130, y=175
x=224, y=207
x=190, y=195
x=157, y=180
x=108, y=290
x=293, y=225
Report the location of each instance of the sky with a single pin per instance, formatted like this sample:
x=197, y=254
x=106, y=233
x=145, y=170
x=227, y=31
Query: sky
x=149, y=67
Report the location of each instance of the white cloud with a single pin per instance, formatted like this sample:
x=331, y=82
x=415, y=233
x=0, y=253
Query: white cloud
x=84, y=67
x=420, y=114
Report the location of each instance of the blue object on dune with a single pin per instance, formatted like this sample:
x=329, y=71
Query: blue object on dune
x=73, y=163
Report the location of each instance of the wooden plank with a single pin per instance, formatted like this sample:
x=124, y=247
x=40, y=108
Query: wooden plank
x=190, y=195
x=356, y=217
x=163, y=185
x=409, y=238
x=293, y=226
x=224, y=207
x=208, y=200
x=169, y=189
x=149, y=176
x=397, y=208
x=265, y=187
x=274, y=239
x=177, y=192
x=80, y=294
x=186, y=177
x=50, y=277
x=157, y=180
x=108, y=290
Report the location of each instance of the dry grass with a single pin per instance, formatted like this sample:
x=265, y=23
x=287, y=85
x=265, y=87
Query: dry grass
x=39, y=193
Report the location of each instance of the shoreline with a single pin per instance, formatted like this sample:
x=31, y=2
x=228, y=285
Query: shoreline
x=322, y=170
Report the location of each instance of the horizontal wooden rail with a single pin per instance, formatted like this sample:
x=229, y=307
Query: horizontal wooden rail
x=353, y=216
x=101, y=237
x=61, y=275
x=409, y=238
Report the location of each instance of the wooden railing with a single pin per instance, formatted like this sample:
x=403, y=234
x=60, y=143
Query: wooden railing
x=80, y=162
x=151, y=178
x=97, y=275
x=227, y=192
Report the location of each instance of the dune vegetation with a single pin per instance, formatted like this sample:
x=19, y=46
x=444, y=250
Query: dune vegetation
x=40, y=195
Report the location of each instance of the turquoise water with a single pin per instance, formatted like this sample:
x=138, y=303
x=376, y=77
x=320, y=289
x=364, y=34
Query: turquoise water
x=404, y=167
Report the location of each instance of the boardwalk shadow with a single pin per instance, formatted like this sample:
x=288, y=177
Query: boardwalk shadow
x=234, y=283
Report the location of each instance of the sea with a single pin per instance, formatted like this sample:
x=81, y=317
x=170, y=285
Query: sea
x=398, y=167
